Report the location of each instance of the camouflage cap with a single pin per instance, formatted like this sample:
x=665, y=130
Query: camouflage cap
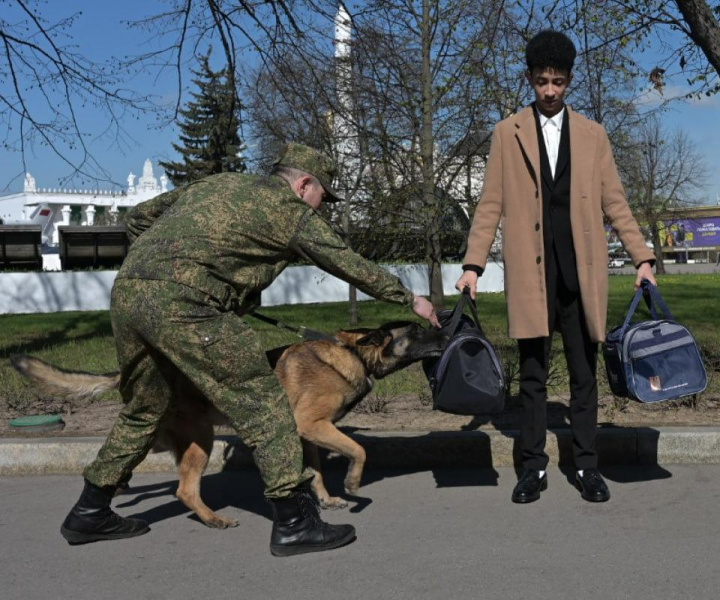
x=304, y=158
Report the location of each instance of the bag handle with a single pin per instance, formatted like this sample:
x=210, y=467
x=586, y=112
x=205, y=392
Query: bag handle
x=652, y=297
x=656, y=298
x=465, y=300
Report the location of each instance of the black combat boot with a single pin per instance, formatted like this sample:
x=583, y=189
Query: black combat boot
x=298, y=527
x=92, y=520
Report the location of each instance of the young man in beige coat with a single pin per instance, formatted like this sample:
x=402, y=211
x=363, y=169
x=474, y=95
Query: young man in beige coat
x=551, y=179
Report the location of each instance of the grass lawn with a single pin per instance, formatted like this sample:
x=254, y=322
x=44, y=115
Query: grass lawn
x=84, y=340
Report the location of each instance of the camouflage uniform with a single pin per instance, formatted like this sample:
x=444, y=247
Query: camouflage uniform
x=213, y=247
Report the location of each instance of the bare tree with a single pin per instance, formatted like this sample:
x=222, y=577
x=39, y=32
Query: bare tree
x=413, y=99
x=697, y=54
x=703, y=27
x=420, y=99
x=662, y=175
x=46, y=84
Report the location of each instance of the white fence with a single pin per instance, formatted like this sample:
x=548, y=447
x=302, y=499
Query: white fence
x=90, y=290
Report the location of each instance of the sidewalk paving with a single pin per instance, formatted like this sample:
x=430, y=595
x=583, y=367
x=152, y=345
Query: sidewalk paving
x=400, y=449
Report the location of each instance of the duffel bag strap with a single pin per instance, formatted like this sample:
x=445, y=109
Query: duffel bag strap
x=648, y=291
x=473, y=310
x=465, y=300
x=656, y=298
x=633, y=307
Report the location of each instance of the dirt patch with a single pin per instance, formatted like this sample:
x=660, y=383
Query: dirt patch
x=410, y=413
x=406, y=413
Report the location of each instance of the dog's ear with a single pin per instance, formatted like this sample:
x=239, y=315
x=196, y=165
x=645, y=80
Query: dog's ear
x=376, y=338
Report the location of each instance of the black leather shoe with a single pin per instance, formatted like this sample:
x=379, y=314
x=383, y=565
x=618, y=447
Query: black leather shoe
x=92, y=520
x=298, y=528
x=592, y=486
x=529, y=486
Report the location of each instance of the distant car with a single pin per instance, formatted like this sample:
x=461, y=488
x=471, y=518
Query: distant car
x=616, y=263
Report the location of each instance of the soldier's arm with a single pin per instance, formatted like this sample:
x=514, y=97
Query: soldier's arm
x=317, y=242
x=142, y=216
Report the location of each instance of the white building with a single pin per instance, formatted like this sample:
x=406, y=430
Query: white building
x=52, y=207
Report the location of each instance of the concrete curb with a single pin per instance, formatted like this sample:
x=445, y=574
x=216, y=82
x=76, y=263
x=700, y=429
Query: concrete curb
x=399, y=449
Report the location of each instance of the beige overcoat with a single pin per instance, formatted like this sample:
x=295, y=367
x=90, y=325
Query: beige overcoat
x=512, y=195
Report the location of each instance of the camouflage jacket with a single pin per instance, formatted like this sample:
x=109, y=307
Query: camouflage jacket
x=231, y=235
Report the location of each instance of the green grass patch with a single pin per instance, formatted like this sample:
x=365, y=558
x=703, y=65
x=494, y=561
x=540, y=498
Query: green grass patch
x=83, y=340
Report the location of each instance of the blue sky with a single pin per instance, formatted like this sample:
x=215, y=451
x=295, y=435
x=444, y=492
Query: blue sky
x=100, y=34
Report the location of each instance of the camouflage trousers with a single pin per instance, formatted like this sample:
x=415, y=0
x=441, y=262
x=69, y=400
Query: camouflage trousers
x=170, y=337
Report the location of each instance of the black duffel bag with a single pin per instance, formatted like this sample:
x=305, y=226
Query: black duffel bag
x=467, y=379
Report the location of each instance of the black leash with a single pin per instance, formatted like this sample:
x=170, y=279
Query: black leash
x=302, y=331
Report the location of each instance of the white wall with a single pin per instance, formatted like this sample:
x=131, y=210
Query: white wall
x=55, y=292
x=90, y=290
x=302, y=285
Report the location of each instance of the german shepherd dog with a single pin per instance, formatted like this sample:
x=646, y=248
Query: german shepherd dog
x=323, y=379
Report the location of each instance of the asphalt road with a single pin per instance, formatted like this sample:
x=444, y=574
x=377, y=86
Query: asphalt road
x=445, y=534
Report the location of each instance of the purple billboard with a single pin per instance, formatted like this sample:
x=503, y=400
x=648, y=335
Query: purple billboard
x=700, y=232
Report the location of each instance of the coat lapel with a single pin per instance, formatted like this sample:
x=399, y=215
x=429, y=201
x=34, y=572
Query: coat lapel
x=526, y=133
x=583, y=144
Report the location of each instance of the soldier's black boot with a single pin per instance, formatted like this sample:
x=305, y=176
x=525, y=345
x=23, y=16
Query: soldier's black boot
x=298, y=527
x=92, y=520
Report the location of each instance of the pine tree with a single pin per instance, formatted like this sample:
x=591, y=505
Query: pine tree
x=209, y=137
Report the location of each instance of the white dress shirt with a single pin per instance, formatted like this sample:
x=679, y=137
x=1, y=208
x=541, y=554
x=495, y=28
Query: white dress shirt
x=551, y=128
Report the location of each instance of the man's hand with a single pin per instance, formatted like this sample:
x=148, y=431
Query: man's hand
x=468, y=279
x=422, y=307
x=644, y=272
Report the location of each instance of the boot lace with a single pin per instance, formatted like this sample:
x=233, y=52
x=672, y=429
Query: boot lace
x=311, y=510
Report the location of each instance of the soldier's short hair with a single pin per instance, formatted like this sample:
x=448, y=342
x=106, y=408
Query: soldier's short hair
x=289, y=173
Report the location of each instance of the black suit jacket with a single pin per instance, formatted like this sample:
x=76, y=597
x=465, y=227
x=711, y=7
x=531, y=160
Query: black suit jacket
x=557, y=230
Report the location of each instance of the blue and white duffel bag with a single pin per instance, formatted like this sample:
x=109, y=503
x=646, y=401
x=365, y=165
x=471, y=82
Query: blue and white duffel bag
x=653, y=360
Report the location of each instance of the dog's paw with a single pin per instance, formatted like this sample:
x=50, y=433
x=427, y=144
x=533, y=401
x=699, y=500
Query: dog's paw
x=333, y=503
x=218, y=522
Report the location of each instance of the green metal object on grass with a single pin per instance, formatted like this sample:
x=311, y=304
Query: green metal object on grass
x=38, y=423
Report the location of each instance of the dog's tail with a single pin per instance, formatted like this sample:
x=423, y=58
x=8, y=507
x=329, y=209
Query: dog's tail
x=59, y=383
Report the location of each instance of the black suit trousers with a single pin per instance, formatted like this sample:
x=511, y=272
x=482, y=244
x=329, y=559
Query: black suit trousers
x=565, y=313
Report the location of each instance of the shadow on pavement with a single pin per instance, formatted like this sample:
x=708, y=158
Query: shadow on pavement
x=634, y=473
x=455, y=458
x=242, y=490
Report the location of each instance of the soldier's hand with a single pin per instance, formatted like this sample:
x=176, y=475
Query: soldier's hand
x=469, y=279
x=422, y=307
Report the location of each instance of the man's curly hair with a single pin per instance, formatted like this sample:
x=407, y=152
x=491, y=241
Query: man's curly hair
x=550, y=50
